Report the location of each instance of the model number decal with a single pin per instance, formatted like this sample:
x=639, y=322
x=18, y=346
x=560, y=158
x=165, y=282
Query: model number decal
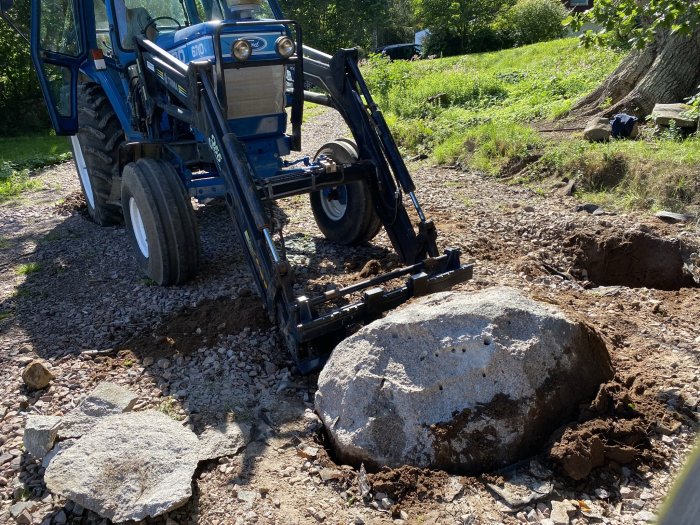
x=198, y=50
x=215, y=149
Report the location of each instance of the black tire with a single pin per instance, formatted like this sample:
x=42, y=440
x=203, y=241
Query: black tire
x=96, y=153
x=160, y=221
x=346, y=214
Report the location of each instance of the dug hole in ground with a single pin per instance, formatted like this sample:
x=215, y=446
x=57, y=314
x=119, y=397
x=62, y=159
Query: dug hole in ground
x=205, y=356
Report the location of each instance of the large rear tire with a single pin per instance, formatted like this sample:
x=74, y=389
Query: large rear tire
x=96, y=153
x=345, y=214
x=160, y=221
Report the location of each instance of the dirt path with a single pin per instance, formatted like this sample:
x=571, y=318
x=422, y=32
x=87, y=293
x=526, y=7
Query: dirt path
x=70, y=293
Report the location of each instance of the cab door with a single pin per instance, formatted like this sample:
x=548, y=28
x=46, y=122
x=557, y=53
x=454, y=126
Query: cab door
x=59, y=48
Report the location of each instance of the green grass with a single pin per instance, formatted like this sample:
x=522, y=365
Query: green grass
x=20, y=155
x=28, y=268
x=15, y=182
x=477, y=112
x=651, y=173
x=442, y=107
x=34, y=152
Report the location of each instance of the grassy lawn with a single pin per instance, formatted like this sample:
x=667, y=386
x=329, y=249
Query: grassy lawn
x=20, y=155
x=35, y=151
x=478, y=111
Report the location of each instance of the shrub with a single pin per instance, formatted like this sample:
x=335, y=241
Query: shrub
x=531, y=21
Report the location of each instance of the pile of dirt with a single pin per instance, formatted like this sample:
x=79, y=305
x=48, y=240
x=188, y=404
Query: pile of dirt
x=632, y=258
x=409, y=483
x=193, y=328
x=614, y=429
x=73, y=203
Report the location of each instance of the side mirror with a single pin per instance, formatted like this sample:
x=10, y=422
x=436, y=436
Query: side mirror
x=6, y=5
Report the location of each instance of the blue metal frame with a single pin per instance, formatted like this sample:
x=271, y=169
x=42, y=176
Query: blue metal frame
x=63, y=124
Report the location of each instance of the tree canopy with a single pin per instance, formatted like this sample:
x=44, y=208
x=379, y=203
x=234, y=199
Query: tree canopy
x=637, y=22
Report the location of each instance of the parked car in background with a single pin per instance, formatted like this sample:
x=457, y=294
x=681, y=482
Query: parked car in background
x=401, y=51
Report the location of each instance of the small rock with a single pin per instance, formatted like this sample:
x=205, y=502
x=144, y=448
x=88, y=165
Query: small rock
x=36, y=375
x=560, y=512
x=5, y=458
x=373, y=267
x=25, y=518
x=522, y=489
x=598, y=129
x=40, y=434
x=307, y=452
x=588, y=207
x=645, y=515
x=663, y=114
x=60, y=518
x=670, y=217
x=386, y=503
x=247, y=496
x=602, y=493
x=227, y=439
x=18, y=508
x=328, y=474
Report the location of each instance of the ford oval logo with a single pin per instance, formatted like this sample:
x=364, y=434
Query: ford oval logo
x=257, y=43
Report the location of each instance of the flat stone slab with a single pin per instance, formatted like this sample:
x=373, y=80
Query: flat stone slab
x=128, y=467
x=663, y=114
x=40, y=434
x=105, y=400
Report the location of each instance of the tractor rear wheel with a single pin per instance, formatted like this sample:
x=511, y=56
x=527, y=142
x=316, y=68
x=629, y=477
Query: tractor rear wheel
x=160, y=220
x=345, y=214
x=96, y=153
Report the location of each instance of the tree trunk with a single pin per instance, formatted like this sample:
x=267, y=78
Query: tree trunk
x=665, y=72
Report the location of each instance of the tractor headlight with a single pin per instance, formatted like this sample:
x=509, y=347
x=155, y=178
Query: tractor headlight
x=241, y=50
x=285, y=46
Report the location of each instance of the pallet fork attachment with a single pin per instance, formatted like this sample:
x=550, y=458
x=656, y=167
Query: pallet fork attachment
x=311, y=326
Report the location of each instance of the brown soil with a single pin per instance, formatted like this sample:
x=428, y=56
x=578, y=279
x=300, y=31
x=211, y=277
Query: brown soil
x=73, y=203
x=636, y=259
x=615, y=428
x=409, y=483
x=199, y=326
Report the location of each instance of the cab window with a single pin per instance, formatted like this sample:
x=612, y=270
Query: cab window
x=137, y=17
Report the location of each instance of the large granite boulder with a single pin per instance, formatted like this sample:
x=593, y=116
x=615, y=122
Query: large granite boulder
x=128, y=466
x=459, y=381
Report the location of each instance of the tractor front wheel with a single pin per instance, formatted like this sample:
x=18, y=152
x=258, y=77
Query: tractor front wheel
x=345, y=214
x=160, y=220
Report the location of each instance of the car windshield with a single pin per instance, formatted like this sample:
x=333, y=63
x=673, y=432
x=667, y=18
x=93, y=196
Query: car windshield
x=137, y=17
x=241, y=10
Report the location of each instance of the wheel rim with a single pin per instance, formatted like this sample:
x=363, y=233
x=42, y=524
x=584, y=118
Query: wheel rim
x=334, y=202
x=83, y=171
x=137, y=227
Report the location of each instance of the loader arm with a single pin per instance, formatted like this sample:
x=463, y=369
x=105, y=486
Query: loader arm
x=310, y=326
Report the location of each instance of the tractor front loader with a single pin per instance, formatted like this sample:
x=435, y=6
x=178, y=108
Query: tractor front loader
x=172, y=100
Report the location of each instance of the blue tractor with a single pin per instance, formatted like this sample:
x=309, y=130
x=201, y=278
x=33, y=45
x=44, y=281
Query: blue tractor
x=170, y=100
